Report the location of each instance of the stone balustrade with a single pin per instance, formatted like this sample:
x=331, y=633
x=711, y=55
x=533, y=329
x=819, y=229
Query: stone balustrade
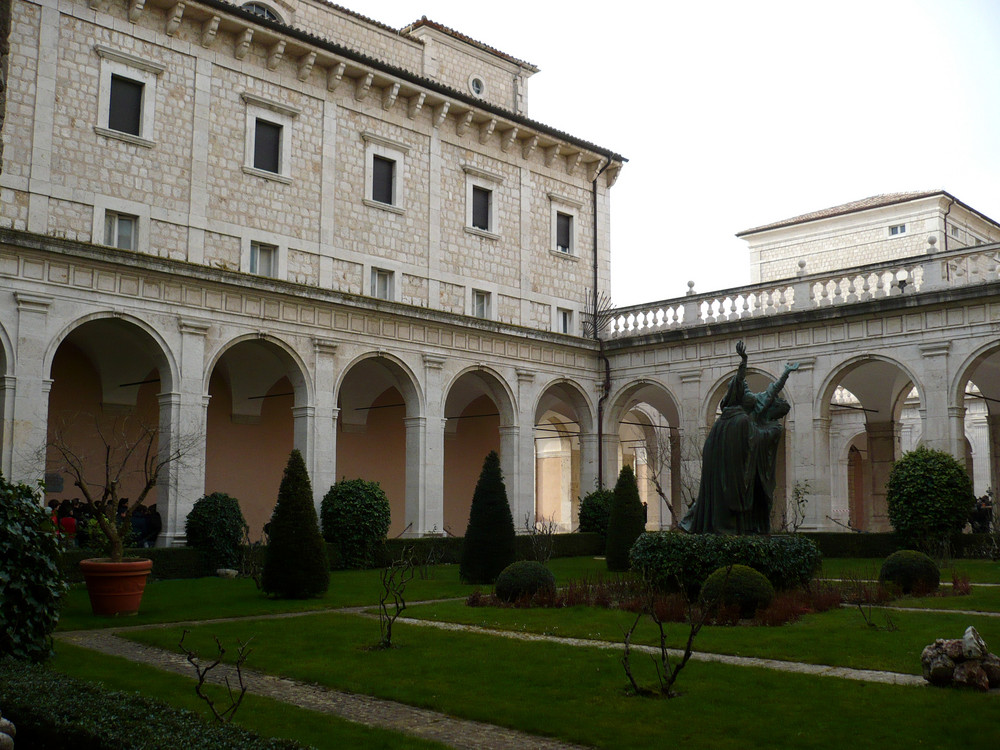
x=907, y=276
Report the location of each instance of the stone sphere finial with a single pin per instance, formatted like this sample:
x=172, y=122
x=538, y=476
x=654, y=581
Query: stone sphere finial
x=802, y=267
x=932, y=240
x=690, y=290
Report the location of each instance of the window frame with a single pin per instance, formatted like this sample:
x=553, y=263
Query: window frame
x=255, y=254
x=275, y=113
x=115, y=233
x=562, y=205
x=564, y=321
x=481, y=179
x=138, y=70
x=897, y=230
x=390, y=286
x=376, y=145
x=487, y=298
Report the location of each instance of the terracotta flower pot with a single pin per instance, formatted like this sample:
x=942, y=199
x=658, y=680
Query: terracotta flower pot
x=115, y=588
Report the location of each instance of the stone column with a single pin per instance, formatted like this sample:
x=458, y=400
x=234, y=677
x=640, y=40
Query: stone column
x=610, y=443
x=7, y=389
x=323, y=467
x=993, y=425
x=30, y=401
x=676, y=484
x=940, y=430
x=821, y=477
x=431, y=497
x=882, y=440
x=416, y=471
x=588, y=462
x=520, y=497
x=526, y=493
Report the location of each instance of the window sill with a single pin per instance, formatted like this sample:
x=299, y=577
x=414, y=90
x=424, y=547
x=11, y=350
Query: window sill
x=565, y=256
x=263, y=173
x=483, y=233
x=118, y=135
x=384, y=206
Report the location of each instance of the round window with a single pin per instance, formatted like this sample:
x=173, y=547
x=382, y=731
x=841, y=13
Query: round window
x=477, y=85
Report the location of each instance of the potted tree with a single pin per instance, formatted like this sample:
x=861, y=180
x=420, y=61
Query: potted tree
x=114, y=468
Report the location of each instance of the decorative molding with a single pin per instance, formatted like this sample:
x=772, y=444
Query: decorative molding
x=524, y=376
x=209, y=31
x=935, y=349
x=325, y=346
x=415, y=104
x=281, y=109
x=572, y=162
x=275, y=54
x=242, y=44
x=529, y=146
x=135, y=10
x=552, y=153
x=612, y=174
x=140, y=63
x=389, y=96
x=564, y=199
x=507, y=138
x=465, y=122
x=174, y=17
x=37, y=303
x=193, y=326
x=369, y=137
x=441, y=113
x=486, y=130
x=433, y=361
x=482, y=174
x=593, y=169
x=135, y=140
x=362, y=86
x=306, y=63
x=334, y=76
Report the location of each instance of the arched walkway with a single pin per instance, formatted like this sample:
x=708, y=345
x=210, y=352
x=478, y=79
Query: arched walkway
x=562, y=417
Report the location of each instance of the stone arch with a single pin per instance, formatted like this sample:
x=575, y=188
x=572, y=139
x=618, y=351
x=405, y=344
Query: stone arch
x=562, y=414
x=6, y=398
x=647, y=419
x=878, y=387
x=478, y=406
x=255, y=385
x=112, y=378
x=380, y=402
x=758, y=380
x=975, y=391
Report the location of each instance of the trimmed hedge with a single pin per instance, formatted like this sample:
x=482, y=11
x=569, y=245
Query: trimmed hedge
x=449, y=549
x=666, y=558
x=913, y=572
x=168, y=563
x=489, y=545
x=57, y=712
x=216, y=526
x=354, y=518
x=881, y=545
x=738, y=586
x=523, y=578
x=626, y=521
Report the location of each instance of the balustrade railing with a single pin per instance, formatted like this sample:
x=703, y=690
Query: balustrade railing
x=909, y=276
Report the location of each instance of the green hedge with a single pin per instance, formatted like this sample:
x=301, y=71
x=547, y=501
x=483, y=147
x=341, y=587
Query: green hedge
x=667, y=557
x=881, y=545
x=168, y=562
x=449, y=549
x=57, y=712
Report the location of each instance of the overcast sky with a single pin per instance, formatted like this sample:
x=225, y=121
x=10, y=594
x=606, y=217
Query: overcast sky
x=734, y=114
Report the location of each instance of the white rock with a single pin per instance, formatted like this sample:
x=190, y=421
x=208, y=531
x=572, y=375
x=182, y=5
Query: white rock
x=973, y=646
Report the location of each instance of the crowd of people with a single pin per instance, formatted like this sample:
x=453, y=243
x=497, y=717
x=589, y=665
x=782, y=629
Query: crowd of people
x=72, y=520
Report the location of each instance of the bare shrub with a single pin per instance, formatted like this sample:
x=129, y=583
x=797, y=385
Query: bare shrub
x=235, y=699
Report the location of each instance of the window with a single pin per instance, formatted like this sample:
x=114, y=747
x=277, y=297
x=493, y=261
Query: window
x=383, y=179
x=125, y=107
x=954, y=231
x=268, y=145
x=480, y=207
x=477, y=85
x=120, y=230
x=897, y=229
x=481, y=304
x=381, y=284
x=482, y=200
x=126, y=96
x=565, y=211
x=564, y=320
x=385, y=173
x=259, y=9
x=263, y=259
x=564, y=232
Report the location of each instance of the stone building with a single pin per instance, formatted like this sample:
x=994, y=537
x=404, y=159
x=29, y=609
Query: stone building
x=286, y=225
x=872, y=230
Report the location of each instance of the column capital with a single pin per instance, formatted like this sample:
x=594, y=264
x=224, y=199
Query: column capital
x=325, y=346
x=822, y=423
x=935, y=349
x=524, y=376
x=192, y=326
x=691, y=376
x=37, y=303
x=411, y=422
x=433, y=361
x=303, y=411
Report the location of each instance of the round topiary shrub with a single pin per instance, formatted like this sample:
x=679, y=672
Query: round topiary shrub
x=354, y=517
x=739, y=586
x=911, y=571
x=216, y=526
x=595, y=508
x=929, y=496
x=31, y=583
x=522, y=579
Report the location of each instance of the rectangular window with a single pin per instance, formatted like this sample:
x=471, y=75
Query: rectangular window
x=263, y=259
x=267, y=146
x=120, y=230
x=383, y=176
x=480, y=304
x=125, y=105
x=954, y=231
x=481, y=200
x=564, y=320
x=381, y=284
x=564, y=232
x=897, y=229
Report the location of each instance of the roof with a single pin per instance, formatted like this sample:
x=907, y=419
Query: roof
x=424, y=22
x=865, y=204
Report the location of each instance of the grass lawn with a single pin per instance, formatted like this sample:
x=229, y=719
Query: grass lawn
x=578, y=693
x=267, y=717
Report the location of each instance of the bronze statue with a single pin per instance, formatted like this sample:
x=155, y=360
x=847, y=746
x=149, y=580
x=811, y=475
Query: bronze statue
x=738, y=461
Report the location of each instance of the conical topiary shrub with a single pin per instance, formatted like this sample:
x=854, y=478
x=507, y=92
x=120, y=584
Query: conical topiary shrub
x=296, y=565
x=626, y=521
x=489, y=540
